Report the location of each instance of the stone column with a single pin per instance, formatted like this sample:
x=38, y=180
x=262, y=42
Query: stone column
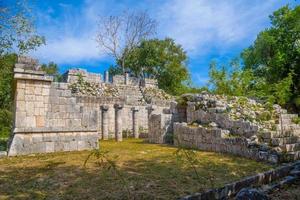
x=149, y=109
x=106, y=76
x=118, y=122
x=135, y=122
x=126, y=78
x=104, y=109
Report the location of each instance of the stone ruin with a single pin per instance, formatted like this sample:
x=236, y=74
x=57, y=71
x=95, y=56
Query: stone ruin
x=74, y=114
x=235, y=125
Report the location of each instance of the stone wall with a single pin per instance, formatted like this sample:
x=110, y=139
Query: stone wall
x=71, y=76
x=44, y=107
x=46, y=142
x=242, y=128
x=218, y=140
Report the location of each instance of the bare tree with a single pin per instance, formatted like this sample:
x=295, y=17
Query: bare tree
x=118, y=35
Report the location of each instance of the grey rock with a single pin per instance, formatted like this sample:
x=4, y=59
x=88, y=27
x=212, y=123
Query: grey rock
x=213, y=124
x=295, y=172
x=251, y=194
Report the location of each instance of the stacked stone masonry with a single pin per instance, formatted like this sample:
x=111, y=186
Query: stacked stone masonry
x=49, y=117
x=212, y=130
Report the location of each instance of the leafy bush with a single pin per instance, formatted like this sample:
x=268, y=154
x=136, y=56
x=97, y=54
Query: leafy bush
x=296, y=120
x=5, y=123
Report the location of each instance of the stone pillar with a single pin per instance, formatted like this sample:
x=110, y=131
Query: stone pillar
x=118, y=122
x=190, y=111
x=106, y=76
x=126, y=78
x=135, y=122
x=104, y=109
x=149, y=109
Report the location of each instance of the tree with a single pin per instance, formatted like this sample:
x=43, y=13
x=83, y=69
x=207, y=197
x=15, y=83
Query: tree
x=52, y=69
x=17, y=31
x=275, y=54
x=17, y=36
x=163, y=60
x=7, y=63
x=118, y=35
x=231, y=79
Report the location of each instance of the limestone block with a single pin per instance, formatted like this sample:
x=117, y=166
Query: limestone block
x=37, y=138
x=49, y=147
x=39, y=104
x=58, y=146
x=39, y=98
x=20, y=119
x=21, y=84
x=37, y=147
x=20, y=95
x=29, y=106
x=50, y=137
x=20, y=106
x=62, y=108
x=29, y=90
x=29, y=98
x=40, y=121
x=73, y=146
x=45, y=91
x=38, y=90
x=30, y=121
x=82, y=145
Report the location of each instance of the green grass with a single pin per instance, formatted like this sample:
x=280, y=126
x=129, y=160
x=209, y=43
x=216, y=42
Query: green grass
x=150, y=171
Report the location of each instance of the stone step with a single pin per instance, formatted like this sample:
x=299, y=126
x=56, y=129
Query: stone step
x=284, y=140
x=287, y=127
x=290, y=147
x=288, y=116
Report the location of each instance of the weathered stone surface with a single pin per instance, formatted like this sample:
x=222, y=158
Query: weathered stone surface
x=251, y=194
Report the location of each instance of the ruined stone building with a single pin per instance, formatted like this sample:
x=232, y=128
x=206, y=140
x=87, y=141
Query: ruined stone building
x=85, y=108
x=74, y=114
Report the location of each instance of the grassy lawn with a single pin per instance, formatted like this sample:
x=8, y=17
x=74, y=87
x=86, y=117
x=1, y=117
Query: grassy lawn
x=137, y=170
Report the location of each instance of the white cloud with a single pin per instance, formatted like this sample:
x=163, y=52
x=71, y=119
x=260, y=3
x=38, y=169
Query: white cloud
x=70, y=37
x=200, y=25
x=69, y=50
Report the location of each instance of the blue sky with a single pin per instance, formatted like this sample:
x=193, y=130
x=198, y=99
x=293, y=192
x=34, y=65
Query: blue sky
x=207, y=29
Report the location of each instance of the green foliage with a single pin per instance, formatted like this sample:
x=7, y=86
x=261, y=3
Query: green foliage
x=264, y=116
x=296, y=120
x=233, y=80
x=115, y=70
x=275, y=56
x=5, y=123
x=230, y=79
x=6, y=93
x=161, y=59
x=6, y=80
x=53, y=70
x=17, y=28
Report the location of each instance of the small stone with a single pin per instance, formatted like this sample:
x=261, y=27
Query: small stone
x=213, y=125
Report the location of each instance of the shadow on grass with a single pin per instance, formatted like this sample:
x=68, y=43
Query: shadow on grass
x=157, y=177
